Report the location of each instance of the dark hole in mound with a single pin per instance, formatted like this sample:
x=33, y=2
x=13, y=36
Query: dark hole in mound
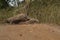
x=19, y=21
x=6, y=21
x=16, y=21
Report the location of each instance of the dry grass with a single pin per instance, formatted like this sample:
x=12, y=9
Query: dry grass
x=47, y=11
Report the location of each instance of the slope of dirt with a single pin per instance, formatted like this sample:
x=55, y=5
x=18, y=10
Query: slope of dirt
x=29, y=32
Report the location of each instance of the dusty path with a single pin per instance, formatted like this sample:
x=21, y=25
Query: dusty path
x=29, y=32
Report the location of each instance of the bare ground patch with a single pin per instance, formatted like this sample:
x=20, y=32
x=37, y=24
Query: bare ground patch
x=29, y=32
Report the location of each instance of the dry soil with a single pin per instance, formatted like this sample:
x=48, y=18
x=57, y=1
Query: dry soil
x=29, y=32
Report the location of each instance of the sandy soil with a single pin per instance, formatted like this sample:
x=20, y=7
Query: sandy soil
x=29, y=32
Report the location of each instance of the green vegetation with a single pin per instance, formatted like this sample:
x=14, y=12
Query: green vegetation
x=3, y=4
x=47, y=11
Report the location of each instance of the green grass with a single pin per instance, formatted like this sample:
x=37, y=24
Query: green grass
x=46, y=11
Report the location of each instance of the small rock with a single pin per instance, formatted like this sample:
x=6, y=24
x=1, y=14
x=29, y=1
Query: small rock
x=53, y=31
x=20, y=34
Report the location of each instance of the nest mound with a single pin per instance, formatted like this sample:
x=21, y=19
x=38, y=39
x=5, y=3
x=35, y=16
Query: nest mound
x=21, y=18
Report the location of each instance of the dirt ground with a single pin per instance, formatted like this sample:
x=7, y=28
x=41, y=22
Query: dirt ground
x=29, y=32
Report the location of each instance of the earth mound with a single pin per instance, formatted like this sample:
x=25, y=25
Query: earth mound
x=21, y=18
